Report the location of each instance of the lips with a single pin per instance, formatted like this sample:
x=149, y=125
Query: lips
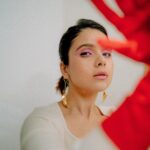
x=101, y=75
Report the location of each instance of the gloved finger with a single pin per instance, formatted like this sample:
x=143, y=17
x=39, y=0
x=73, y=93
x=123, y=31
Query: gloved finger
x=128, y=48
x=109, y=14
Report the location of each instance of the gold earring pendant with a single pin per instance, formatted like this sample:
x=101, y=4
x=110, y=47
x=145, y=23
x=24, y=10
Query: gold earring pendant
x=104, y=96
x=64, y=102
x=64, y=99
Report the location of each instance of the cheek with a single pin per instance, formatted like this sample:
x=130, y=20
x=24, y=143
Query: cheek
x=78, y=64
x=77, y=67
x=111, y=69
x=74, y=67
x=79, y=71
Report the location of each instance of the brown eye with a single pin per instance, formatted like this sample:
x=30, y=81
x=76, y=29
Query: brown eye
x=107, y=54
x=85, y=54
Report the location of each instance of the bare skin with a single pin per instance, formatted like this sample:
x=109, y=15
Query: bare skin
x=79, y=123
x=86, y=58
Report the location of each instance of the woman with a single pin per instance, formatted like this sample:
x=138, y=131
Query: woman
x=72, y=123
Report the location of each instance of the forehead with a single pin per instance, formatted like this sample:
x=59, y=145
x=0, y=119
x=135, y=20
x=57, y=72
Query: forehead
x=88, y=35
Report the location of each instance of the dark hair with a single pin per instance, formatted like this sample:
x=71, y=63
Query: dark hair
x=66, y=42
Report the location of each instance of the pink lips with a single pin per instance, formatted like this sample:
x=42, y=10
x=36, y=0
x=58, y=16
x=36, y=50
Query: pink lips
x=101, y=76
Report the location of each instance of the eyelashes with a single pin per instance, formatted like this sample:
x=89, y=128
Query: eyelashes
x=105, y=53
x=85, y=54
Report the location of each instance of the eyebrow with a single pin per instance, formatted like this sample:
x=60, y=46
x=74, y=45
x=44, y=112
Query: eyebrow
x=84, y=45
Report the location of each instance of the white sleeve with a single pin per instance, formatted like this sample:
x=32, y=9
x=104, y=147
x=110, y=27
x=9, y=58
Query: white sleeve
x=39, y=134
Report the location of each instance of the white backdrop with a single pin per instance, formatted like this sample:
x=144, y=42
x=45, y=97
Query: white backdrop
x=29, y=35
x=30, y=31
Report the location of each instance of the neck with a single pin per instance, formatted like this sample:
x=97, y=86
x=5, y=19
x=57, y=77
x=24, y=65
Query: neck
x=81, y=103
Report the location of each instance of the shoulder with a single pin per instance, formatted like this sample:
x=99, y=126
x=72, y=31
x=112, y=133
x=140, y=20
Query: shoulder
x=41, y=115
x=43, y=118
x=107, y=110
x=44, y=111
x=40, y=128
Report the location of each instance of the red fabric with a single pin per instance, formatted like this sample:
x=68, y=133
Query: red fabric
x=135, y=24
x=129, y=126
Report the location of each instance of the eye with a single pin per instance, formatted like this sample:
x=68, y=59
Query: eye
x=86, y=53
x=106, y=53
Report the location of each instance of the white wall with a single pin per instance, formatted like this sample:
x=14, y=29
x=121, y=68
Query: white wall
x=29, y=67
x=29, y=34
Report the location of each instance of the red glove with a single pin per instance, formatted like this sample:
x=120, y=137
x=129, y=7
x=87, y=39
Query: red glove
x=129, y=126
x=135, y=25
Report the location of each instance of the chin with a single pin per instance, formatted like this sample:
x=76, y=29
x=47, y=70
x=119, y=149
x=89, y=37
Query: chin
x=101, y=86
x=98, y=89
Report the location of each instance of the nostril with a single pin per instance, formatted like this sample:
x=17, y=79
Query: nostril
x=99, y=64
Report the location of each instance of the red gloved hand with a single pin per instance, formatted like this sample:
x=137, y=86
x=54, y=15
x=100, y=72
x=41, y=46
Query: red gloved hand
x=135, y=25
x=129, y=126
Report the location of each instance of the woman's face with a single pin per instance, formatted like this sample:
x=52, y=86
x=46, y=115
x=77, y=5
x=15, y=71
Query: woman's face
x=90, y=66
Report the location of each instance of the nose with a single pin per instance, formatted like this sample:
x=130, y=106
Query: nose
x=100, y=61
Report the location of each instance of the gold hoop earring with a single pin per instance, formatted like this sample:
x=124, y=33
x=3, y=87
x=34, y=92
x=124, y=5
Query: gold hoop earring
x=64, y=99
x=104, y=96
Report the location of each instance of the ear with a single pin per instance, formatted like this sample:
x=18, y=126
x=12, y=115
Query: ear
x=64, y=70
